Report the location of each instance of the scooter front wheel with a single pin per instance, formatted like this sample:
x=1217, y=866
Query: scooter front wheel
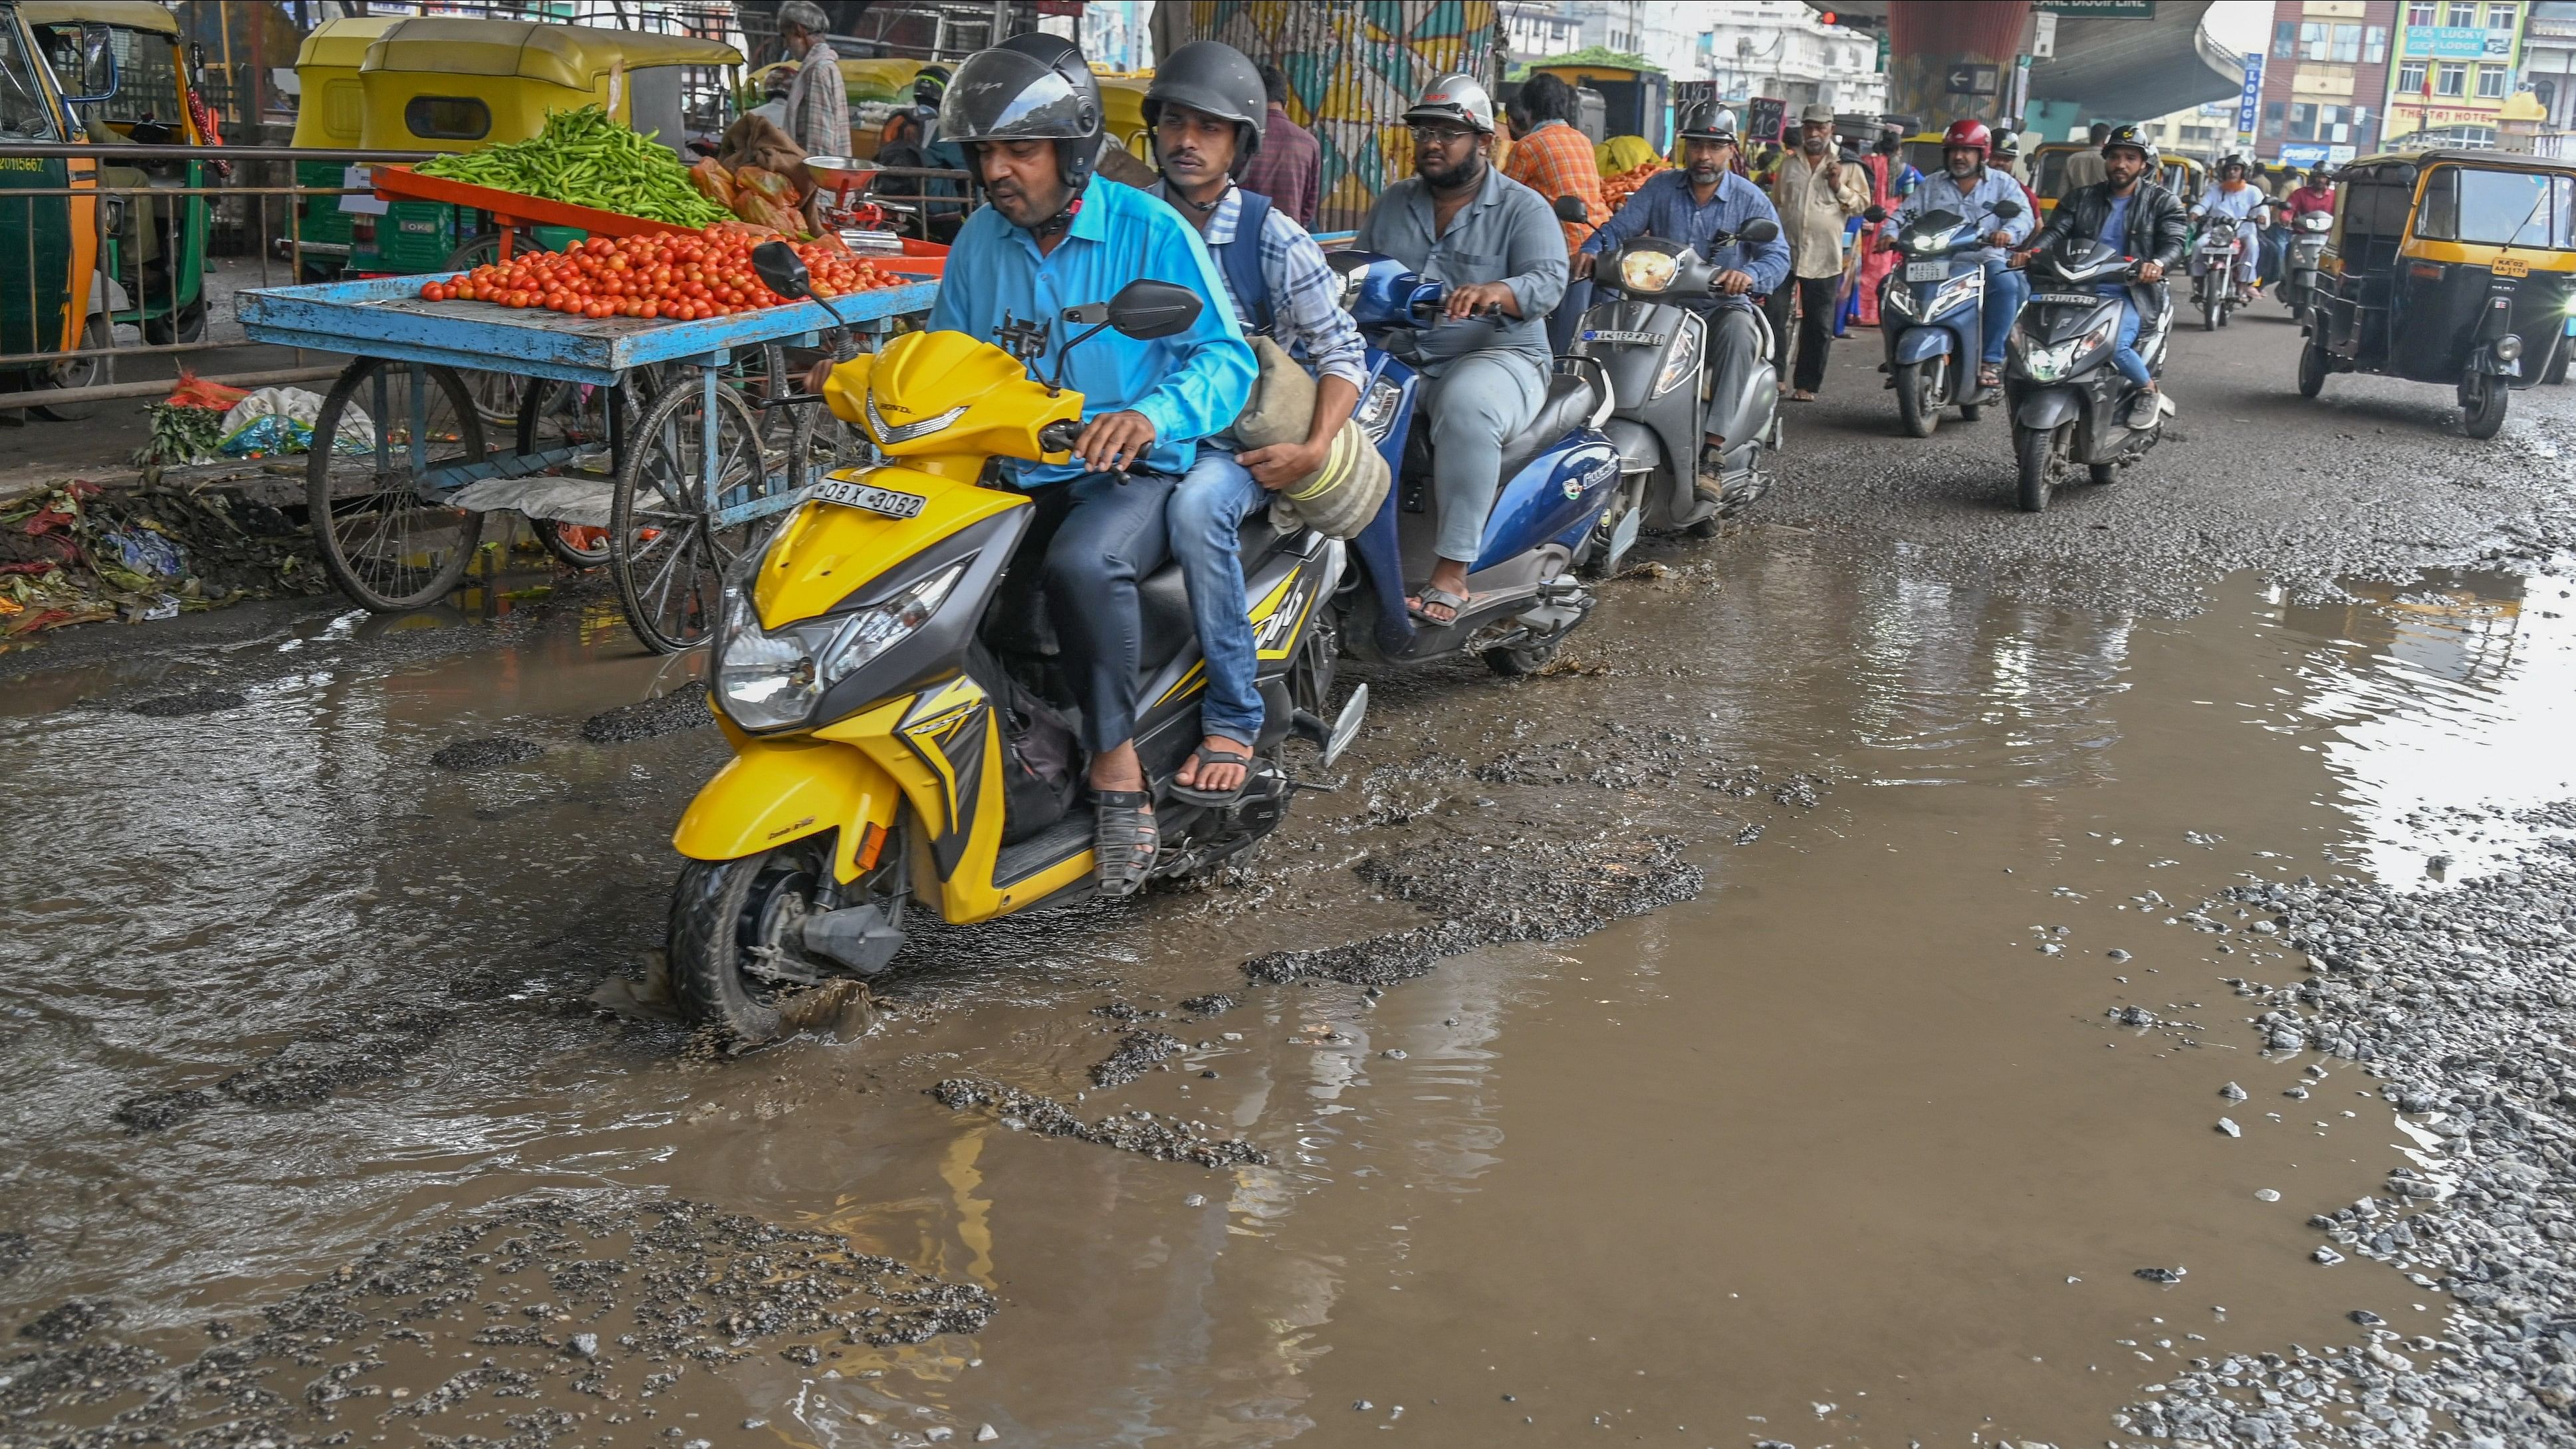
x=2034, y=449
x=1918, y=398
x=736, y=947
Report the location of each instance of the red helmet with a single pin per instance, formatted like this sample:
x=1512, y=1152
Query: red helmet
x=1970, y=133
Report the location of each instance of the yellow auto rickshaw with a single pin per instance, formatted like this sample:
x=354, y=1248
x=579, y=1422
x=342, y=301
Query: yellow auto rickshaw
x=1122, y=112
x=2181, y=175
x=2449, y=267
x=330, y=115
x=53, y=303
x=441, y=83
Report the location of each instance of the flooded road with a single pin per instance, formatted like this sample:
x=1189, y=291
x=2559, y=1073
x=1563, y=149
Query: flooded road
x=1800, y=1018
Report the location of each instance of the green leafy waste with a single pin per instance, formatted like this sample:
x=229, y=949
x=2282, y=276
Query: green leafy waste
x=585, y=158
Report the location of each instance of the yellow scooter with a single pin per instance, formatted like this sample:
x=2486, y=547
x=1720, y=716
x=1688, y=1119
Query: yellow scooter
x=893, y=712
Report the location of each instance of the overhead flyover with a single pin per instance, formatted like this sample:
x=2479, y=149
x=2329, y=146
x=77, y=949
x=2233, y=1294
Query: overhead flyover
x=2132, y=65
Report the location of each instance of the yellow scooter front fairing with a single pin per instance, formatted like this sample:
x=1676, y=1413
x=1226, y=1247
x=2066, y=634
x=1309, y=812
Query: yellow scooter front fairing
x=898, y=738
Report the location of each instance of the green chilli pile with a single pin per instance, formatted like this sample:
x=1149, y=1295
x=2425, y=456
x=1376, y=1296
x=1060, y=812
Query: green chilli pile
x=585, y=158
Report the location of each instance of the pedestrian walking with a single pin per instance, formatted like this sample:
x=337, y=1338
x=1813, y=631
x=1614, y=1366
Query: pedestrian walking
x=1891, y=180
x=1816, y=195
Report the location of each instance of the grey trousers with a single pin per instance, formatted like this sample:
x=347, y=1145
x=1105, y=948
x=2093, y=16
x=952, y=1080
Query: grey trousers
x=1476, y=403
x=1734, y=350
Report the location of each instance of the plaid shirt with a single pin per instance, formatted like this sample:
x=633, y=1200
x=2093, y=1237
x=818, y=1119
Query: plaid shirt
x=818, y=108
x=1288, y=168
x=1555, y=161
x=1306, y=315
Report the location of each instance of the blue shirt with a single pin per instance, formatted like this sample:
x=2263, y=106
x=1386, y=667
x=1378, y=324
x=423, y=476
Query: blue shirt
x=1941, y=191
x=1666, y=207
x=1189, y=385
x=2115, y=235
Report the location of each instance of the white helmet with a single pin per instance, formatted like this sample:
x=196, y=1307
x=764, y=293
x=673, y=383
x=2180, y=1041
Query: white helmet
x=1456, y=96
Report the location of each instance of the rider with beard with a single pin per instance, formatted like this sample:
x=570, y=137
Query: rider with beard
x=1706, y=197
x=1966, y=187
x=1497, y=245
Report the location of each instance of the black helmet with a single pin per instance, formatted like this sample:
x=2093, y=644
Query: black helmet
x=1704, y=121
x=1215, y=79
x=2132, y=136
x=1031, y=87
x=2230, y=159
x=928, y=86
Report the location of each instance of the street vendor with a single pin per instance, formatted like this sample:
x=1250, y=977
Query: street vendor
x=818, y=107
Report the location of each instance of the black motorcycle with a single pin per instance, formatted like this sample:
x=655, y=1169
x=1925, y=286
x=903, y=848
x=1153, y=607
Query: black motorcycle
x=2069, y=404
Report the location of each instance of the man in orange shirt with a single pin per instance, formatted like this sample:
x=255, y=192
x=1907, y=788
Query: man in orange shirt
x=1551, y=157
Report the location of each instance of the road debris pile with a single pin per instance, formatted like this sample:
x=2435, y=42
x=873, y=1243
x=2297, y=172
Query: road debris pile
x=1533, y=889
x=77, y=554
x=358, y=1050
x=611, y=1299
x=1136, y=1055
x=1168, y=1139
x=2452, y=999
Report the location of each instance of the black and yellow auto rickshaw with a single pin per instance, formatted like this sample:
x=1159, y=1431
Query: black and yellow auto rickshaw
x=2451, y=267
x=52, y=305
x=330, y=112
x=153, y=246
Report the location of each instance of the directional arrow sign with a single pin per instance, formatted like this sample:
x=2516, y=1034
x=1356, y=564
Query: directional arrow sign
x=1971, y=80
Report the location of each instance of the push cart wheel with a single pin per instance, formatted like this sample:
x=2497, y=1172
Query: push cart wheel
x=552, y=415
x=667, y=550
x=383, y=426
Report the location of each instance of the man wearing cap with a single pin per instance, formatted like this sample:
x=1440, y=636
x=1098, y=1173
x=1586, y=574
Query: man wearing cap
x=1817, y=196
x=818, y=105
x=1496, y=244
x=1206, y=107
x=1693, y=205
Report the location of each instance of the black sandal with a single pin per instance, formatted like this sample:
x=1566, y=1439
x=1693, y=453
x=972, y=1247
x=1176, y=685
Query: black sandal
x=1219, y=798
x=1124, y=841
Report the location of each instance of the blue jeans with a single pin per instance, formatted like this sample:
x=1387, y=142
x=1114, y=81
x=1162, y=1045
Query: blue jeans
x=1206, y=516
x=2005, y=291
x=1112, y=536
x=2124, y=353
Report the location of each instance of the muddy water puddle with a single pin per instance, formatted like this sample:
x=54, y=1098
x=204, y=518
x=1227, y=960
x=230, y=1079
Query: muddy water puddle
x=1721, y=1040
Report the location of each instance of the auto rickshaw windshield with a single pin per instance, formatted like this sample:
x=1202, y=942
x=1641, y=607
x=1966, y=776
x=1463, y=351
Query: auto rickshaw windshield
x=24, y=115
x=2498, y=208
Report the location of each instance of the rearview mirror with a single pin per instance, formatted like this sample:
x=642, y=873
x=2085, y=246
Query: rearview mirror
x=781, y=270
x=1146, y=309
x=1762, y=232
x=2007, y=209
x=98, y=75
x=1570, y=208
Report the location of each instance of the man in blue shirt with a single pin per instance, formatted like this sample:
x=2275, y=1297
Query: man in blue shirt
x=1707, y=197
x=1966, y=187
x=1049, y=240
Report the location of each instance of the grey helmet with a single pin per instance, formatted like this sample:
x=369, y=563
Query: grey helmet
x=1456, y=96
x=1031, y=87
x=1214, y=79
x=1706, y=121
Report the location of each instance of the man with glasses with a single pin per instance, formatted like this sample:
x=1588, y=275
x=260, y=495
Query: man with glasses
x=1497, y=245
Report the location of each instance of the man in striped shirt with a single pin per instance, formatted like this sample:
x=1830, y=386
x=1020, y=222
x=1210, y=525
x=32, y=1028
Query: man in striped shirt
x=818, y=106
x=1206, y=106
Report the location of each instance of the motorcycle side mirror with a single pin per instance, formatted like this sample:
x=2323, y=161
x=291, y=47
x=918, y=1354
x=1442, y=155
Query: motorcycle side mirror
x=1874, y=215
x=2007, y=209
x=1145, y=309
x=1761, y=232
x=781, y=270
x=1570, y=208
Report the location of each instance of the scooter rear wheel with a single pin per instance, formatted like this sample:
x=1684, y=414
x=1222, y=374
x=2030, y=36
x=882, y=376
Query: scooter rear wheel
x=2034, y=450
x=1514, y=663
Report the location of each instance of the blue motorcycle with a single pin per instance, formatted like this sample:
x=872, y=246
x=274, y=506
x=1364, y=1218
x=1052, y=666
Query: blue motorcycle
x=1559, y=475
x=1932, y=313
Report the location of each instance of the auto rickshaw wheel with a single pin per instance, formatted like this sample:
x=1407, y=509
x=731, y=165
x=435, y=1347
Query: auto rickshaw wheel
x=382, y=543
x=2556, y=372
x=91, y=365
x=187, y=324
x=2312, y=369
x=2482, y=403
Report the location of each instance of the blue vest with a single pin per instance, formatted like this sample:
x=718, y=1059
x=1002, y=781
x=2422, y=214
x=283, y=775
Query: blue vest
x=1240, y=261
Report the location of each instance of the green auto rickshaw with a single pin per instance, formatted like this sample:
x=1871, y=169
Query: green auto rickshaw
x=53, y=306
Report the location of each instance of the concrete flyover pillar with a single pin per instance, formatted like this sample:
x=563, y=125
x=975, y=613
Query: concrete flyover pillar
x=1952, y=59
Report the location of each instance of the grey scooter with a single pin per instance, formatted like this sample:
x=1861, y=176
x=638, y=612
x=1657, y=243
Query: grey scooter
x=1653, y=354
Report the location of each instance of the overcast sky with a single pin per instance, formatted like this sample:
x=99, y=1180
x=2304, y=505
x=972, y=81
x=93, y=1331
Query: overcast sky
x=2240, y=25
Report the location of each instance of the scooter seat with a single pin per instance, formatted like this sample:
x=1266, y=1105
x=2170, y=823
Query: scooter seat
x=1163, y=599
x=1570, y=400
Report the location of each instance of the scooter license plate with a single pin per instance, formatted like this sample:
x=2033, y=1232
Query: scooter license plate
x=870, y=498
x=1935, y=270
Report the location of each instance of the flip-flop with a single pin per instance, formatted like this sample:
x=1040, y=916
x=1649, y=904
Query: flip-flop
x=1205, y=757
x=1435, y=597
x=1124, y=840
x=1990, y=377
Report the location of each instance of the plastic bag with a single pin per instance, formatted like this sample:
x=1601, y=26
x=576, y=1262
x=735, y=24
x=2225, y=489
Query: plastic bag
x=713, y=182
x=280, y=420
x=196, y=392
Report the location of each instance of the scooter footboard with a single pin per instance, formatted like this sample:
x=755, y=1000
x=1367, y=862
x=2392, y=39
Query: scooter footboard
x=776, y=791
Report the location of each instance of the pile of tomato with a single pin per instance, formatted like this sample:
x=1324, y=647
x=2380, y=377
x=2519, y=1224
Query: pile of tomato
x=1617, y=189
x=680, y=276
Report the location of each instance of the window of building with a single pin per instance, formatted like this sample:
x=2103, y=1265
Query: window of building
x=2491, y=79
x=2285, y=39
x=2463, y=12
x=2421, y=12
x=2500, y=15
x=2410, y=78
x=2374, y=45
x=2452, y=79
x=2303, y=121
x=2347, y=44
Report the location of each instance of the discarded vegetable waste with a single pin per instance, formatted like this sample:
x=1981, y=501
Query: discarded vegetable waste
x=680, y=277
x=586, y=158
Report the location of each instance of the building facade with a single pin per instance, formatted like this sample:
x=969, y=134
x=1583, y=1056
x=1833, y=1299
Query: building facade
x=2456, y=63
x=1536, y=29
x=1782, y=48
x=2203, y=133
x=2326, y=79
x=2549, y=62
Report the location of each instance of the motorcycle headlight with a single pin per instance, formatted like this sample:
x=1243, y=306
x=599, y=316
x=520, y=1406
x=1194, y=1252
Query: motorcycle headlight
x=1648, y=271
x=1683, y=365
x=769, y=678
x=1376, y=412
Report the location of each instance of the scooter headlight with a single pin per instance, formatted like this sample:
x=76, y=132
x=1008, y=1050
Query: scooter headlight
x=770, y=678
x=1683, y=364
x=1648, y=271
x=2050, y=362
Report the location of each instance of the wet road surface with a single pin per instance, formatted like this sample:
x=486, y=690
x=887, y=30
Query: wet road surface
x=1799, y=1017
